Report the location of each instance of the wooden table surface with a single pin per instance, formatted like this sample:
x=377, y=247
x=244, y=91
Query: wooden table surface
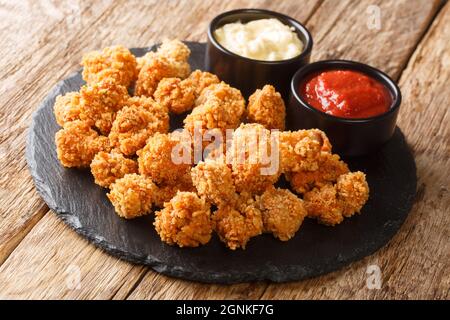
x=42, y=42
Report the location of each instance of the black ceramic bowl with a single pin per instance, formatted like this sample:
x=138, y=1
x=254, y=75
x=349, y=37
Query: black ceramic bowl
x=350, y=137
x=249, y=74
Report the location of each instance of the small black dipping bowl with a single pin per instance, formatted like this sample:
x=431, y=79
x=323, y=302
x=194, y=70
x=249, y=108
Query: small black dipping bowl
x=248, y=74
x=349, y=137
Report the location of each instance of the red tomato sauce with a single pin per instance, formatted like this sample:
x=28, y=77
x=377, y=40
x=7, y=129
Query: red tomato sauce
x=346, y=94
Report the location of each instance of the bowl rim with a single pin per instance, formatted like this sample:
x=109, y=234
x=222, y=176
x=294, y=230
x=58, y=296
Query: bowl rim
x=372, y=72
x=307, y=44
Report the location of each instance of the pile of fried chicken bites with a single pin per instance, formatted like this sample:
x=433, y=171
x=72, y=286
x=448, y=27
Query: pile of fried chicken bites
x=125, y=141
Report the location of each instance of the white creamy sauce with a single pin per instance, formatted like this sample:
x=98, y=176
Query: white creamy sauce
x=264, y=39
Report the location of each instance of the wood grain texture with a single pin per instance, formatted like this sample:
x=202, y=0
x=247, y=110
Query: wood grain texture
x=42, y=256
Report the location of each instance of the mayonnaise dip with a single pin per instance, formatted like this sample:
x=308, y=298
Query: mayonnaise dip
x=264, y=39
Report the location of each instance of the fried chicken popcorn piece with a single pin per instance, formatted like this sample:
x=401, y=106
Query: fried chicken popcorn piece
x=231, y=98
x=156, y=68
x=254, y=164
x=132, y=195
x=100, y=102
x=141, y=118
x=77, y=144
x=67, y=108
x=116, y=62
x=214, y=182
x=166, y=192
x=201, y=80
x=323, y=204
x=158, y=159
x=266, y=107
x=108, y=167
x=300, y=150
x=330, y=167
x=353, y=191
x=237, y=225
x=212, y=115
x=331, y=203
x=177, y=95
x=184, y=221
x=282, y=211
x=174, y=49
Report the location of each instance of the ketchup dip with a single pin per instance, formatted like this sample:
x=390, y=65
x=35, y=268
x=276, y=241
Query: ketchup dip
x=346, y=94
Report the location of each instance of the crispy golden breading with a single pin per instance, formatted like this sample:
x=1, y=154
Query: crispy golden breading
x=300, y=150
x=166, y=192
x=154, y=70
x=211, y=115
x=132, y=195
x=254, y=167
x=235, y=225
x=156, y=160
x=174, y=49
x=231, y=98
x=201, y=80
x=331, y=203
x=67, y=108
x=322, y=203
x=330, y=167
x=99, y=103
x=282, y=211
x=141, y=118
x=184, y=221
x=214, y=182
x=353, y=191
x=108, y=167
x=266, y=107
x=177, y=95
x=77, y=144
x=116, y=62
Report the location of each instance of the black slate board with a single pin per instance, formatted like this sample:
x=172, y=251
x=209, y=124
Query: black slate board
x=315, y=249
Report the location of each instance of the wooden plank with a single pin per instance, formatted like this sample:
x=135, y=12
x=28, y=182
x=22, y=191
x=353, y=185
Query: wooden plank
x=41, y=48
x=349, y=30
x=53, y=262
x=34, y=43
x=416, y=262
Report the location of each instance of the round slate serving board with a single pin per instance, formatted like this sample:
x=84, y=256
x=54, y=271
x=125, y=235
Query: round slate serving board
x=315, y=250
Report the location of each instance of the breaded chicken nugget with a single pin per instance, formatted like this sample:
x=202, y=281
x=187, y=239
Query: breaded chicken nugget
x=159, y=159
x=353, y=191
x=156, y=68
x=100, y=102
x=255, y=166
x=231, y=98
x=300, y=150
x=214, y=182
x=211, y=115
x=236, y=224
x=266, y=107
x=132, y=195
x=118, y=59
x=174, y=49
x=77, y=144
x=201, y=80
x=323, y=204
x=141, y=118
x=282, y=211
x=177, y=95
x=331, y=203
x=67, y=108
x=184, y=221
x=108, y=167
x=330, y=167
x=166, y=192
